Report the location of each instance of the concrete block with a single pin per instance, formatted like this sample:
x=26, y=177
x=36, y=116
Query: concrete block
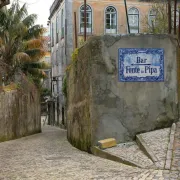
x=107, y=143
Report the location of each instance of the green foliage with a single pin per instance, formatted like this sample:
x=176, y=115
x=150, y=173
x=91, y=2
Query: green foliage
x=160, y=23
x=21, y=41
x=75, y=55
x=19, y=86
x=30, y=78
x=45, y=92
x=64, y=88
x=81, y=42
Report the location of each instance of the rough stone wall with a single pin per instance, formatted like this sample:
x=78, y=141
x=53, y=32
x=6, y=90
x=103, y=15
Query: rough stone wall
x=19, y=113
x=119, y=109
x=78, y=102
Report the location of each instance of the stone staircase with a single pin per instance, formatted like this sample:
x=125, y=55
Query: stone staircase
x=159, y=149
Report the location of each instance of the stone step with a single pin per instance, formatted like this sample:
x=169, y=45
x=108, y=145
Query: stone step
x=131, y=154
x=151, y=150
x=155, y=145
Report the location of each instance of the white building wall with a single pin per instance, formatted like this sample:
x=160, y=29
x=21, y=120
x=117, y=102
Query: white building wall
x=69, y=30
x=58, y=57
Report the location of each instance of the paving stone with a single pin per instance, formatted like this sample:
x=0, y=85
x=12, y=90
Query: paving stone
x=158, y=142
x=168, y=164
x=131, y=152
x=49, y=156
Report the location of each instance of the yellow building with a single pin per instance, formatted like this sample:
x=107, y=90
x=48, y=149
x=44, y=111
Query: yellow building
x=109, y=16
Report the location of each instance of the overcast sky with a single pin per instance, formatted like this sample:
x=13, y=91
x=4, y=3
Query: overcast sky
x=39, y=7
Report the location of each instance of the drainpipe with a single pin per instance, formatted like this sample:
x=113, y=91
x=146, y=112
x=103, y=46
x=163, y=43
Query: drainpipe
x=169, y=16
x=85, y=19
x=127, y=18
x=175, y=9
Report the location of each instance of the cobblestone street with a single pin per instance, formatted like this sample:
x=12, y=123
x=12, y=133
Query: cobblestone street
x=49, y=156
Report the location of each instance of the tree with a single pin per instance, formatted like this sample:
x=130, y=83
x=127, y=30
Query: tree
x=21, y=41
x=4, y=3
x=157, y=19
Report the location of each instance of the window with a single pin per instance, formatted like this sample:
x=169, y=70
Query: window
x=88, y=19
x=177, y=18
x=133, y=15
x=111, y=20
x=62, y=23
x=152, y=17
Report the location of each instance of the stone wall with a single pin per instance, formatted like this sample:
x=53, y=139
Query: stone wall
x=19, y=112
x=99, y=106
x=78, y=103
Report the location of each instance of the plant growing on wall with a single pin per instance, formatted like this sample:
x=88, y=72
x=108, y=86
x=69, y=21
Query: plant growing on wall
x=64, y=87
x=44, y=94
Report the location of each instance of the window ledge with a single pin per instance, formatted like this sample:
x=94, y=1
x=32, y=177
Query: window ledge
x=87, y=34
x=111, y=33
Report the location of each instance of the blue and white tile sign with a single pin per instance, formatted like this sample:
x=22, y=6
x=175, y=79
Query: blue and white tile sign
x=141, y=65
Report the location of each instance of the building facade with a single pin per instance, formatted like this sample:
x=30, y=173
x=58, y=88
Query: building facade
x=103, y=17
x=61, y=49
x=109, y=16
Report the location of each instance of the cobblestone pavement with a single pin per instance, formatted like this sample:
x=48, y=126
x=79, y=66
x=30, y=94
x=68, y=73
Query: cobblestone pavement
x=48, y=156
x=158, y=142
x=131, y=152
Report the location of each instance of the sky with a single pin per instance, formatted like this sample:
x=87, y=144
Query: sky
x=39, y=7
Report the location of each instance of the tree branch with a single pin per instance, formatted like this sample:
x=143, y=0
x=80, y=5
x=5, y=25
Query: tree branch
x=4, y=3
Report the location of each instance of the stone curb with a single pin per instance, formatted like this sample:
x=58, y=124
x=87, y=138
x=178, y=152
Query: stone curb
x=170, y=148
x=147, y=150
x=103, y=154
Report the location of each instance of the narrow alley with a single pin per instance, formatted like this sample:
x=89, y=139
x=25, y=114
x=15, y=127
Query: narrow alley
x=49, y=156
